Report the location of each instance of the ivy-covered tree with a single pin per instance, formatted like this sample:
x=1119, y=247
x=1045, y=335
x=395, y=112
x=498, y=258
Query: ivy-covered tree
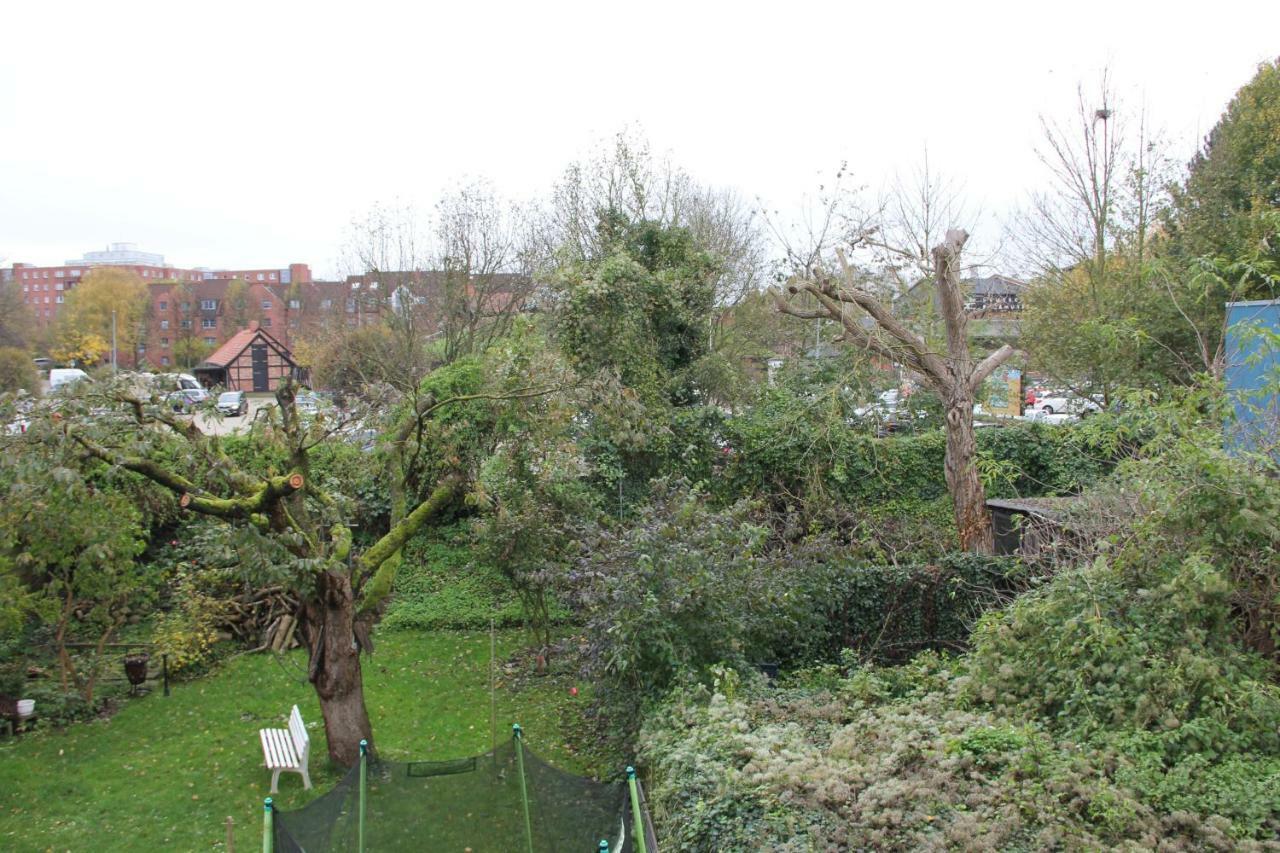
x=639, y=308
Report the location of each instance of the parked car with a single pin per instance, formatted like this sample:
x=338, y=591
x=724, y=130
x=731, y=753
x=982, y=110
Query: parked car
x=1066, y=404
x=232, y=404
x=187, y=399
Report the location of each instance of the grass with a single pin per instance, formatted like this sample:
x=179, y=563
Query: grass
x=165, y=772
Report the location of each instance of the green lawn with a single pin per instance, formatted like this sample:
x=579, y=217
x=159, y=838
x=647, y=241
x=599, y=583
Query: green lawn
x=164, y=773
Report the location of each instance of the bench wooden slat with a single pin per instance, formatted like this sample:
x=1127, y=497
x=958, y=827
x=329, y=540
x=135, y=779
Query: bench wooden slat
x=282, y=751
x=287, y=749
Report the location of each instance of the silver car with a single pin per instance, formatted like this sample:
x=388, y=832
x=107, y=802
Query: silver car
x=232, y=404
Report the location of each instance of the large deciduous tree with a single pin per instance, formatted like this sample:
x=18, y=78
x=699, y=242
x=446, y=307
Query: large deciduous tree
x=83, y=329
x=284, y=513
x=870, y=325
x=1234, y=181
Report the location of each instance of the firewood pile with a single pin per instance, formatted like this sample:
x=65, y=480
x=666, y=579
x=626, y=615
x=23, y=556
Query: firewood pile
x=263, y=619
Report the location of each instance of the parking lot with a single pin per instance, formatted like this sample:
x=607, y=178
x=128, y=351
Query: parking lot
x=211, y=423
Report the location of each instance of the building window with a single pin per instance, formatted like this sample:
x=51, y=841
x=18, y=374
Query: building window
x=326, y=304
x=25, y=287
x=186, y=324
x=164, y=360
x=75, y=272
x=58, y=286
x=142, y=346
x=58, y=274
x=266, y=321
x=210, y=341
x=164, y=306
x=164, y=324
x=46, y=274
x=208, y=305
x=295, y=304
x=24, y=275
x=164, y=342
x=351, y=306
x=46, y=300
x=271, y=276
x=186, y=306
x=209, y=323
x=59, y=299
x=259, y=276
x=266, y=305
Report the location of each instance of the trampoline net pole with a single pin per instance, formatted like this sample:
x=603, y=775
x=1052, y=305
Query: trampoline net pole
x=635, y=811
x=268, y=837
x=364, y=774
x=524, y=791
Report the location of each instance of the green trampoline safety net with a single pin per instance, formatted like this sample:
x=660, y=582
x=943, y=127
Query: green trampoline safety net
x=474, y=804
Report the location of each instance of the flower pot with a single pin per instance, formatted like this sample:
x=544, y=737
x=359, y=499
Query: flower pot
x=135, y=668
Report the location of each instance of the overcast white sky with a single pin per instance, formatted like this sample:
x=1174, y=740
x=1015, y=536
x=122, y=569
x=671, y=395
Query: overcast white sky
x=249, y=134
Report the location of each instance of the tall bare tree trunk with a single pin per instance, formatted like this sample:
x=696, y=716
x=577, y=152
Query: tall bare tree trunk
x=973, y=522
x=335, y=668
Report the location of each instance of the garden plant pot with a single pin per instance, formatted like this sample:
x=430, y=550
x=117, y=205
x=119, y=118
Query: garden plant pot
x=135, y=668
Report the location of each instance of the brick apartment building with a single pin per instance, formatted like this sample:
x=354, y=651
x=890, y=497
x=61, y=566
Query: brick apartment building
x=197, y=305
x=193, y=311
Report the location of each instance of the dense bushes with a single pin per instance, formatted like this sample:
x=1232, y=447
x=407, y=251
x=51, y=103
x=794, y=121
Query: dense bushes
x=1131, y=700
x=889, y=760
x=685, y=586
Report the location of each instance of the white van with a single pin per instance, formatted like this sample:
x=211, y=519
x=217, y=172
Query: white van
x=169, y=385
x=60, y=376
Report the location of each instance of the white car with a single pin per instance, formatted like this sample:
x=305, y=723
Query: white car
x=1065, y=404
x=886, y=406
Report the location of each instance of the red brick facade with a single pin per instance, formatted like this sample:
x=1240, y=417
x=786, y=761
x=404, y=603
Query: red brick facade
x=191, y=312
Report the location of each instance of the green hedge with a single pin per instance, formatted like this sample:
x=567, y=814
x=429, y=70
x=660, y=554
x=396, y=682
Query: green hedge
x=882, y=613
x=796, y=453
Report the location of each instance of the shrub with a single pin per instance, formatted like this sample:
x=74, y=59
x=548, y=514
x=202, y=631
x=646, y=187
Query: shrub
x=886, y=759
x=685, y=587
x=17, y=371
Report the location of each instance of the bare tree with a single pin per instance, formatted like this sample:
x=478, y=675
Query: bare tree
x=484, y=267
x=953, y=377
x=1087, y=237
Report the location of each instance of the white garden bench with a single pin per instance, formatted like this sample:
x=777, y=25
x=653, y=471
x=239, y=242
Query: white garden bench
x=287, y=749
